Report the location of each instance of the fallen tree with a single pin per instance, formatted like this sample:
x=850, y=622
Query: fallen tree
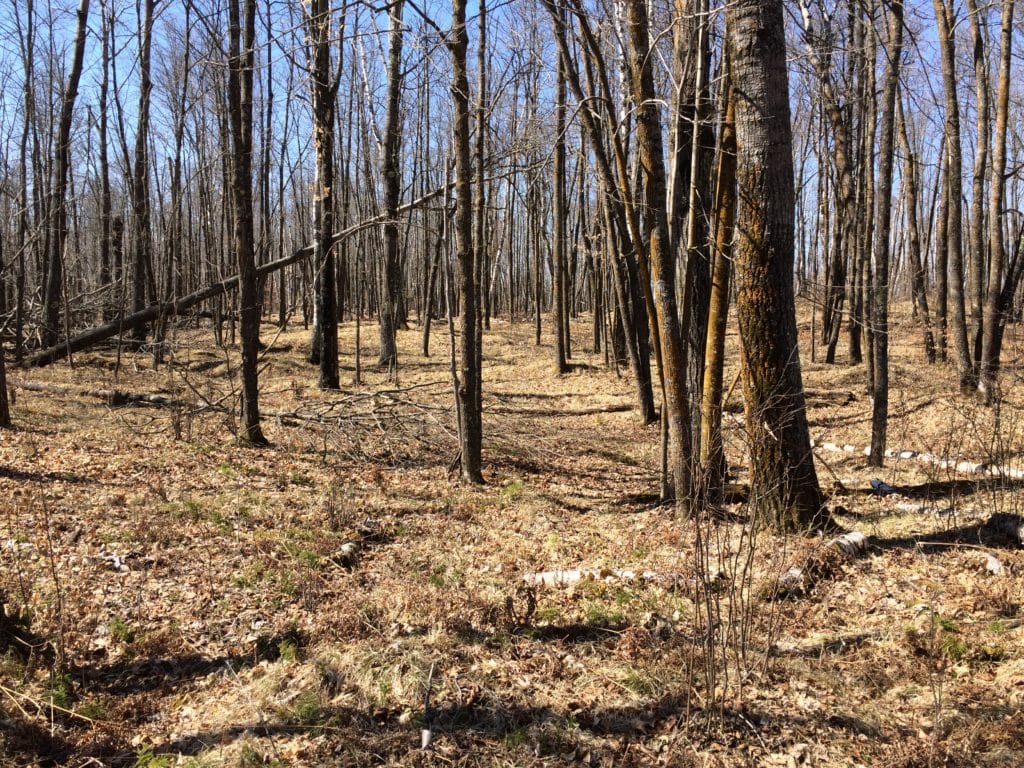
x=144, y=317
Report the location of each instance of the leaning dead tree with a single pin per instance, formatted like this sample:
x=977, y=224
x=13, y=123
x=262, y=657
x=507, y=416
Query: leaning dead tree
x=135, y=320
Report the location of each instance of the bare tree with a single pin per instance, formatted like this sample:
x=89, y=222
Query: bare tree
x=58, y=202
x=323, y=83
x=391, y=170
x=241, y=42
x=883, y=221
x=467, y=389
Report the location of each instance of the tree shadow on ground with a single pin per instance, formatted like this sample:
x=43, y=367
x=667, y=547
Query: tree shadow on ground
x=976, y=534
x=43, y=477
x=933, y=490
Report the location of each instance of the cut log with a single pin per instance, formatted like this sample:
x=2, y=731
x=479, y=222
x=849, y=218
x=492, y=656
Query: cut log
x=150, y=314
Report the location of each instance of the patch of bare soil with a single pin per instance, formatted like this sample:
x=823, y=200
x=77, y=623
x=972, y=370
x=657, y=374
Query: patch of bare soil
x=170, y=598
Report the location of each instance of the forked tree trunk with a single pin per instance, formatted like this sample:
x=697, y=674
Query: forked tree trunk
x=712, y=454
x=784, y=485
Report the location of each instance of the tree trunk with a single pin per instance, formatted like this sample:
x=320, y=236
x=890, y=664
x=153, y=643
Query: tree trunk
x=784, y=485
x=995, y=306
x=559, y=308
x=468, y=400
x=324, y=87
x=663, y=267
x=946, y=21
x=883, y=220
x=919, y=294
x=58, y=203
x=392, y=172
x=241, y=41
x=712, y=454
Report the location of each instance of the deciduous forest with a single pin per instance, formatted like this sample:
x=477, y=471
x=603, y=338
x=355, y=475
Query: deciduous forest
x=521, y=383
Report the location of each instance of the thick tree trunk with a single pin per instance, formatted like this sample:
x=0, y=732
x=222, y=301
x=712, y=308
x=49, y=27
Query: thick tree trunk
x=784, y=485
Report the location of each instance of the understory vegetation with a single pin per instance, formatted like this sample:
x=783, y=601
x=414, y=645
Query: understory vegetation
x=341, y=598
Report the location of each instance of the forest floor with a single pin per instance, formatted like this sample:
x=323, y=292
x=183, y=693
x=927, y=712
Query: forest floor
x=214, y=605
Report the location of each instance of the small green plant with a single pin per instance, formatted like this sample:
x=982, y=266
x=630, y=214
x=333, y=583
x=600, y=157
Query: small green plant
x=510, y=492
x=60, y=691
x=94, y=710
x=516, y=737
x=289, y=650
x=599, y=614
x=226, y=470
x=121, y=630
x=145, y=758
x=639, y=683
x=250, y=757
x=306, y=709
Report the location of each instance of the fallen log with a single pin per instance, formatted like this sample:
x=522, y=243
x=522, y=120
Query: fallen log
x=112, y=397
x=150, y=314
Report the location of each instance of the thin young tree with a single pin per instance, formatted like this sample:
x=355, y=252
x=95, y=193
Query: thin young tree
x=883, y=222
x=58, y=198
x=142, y=238
x=468, y=400
x=323, y=84
x=241, y=44
x=391, y=170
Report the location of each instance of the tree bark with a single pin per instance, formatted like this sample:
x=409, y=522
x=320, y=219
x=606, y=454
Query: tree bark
x=784, y=485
